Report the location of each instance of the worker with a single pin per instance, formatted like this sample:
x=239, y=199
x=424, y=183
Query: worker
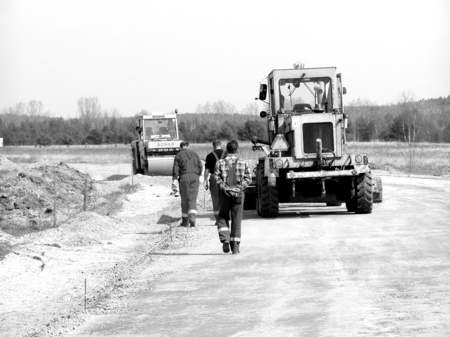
x=232, y=176
x=209, y=178
x=187, y=168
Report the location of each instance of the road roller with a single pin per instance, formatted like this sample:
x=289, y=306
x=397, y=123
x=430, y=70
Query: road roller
x=157, y=144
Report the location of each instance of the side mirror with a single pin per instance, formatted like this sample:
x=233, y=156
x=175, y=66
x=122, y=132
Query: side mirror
x=262, y=91
x=344, y=90
x=263, y=114
x=138, y=129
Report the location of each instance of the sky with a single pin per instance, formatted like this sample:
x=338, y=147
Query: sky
x=162, y=55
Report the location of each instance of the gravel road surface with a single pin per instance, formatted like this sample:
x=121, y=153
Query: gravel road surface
x=309, y=272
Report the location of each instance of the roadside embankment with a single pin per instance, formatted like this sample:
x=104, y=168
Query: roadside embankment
x=50, y=276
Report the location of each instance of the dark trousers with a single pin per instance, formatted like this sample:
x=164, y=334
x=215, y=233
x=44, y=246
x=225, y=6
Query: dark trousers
x=214, y=189
x=229, y=211
x=188, y=192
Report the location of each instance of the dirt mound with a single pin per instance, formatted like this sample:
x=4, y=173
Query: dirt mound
x=29, y=195
x=84, y=229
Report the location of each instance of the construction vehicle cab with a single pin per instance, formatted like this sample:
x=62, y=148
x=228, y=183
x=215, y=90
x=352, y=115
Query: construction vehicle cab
x=305, y=151
x=157, y=144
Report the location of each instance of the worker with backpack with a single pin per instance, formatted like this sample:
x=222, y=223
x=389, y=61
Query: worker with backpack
x=232, y=176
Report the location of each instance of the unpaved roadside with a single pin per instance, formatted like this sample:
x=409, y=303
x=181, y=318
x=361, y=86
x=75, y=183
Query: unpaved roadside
x=310, y=272
x=43, y=278
x=335, y=268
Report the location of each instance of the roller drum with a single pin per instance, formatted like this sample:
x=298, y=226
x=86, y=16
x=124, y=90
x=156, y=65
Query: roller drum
x=160, y=166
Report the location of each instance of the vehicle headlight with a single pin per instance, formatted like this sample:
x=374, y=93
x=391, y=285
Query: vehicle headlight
x=278, y=163
x=358, y=159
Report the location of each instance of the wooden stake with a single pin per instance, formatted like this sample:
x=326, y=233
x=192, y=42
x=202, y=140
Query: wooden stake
x=85, y=196
x=132, y=176
x=54, y=212
x=85, y=299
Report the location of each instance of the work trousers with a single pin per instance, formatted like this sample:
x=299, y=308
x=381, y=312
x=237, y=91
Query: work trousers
x=214, y=189
x=188, y=192
x=229, y=210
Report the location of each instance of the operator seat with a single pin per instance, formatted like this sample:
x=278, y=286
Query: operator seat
x=302, y=108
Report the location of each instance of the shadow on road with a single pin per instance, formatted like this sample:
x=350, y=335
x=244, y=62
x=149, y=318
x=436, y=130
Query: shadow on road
x=206, y=216
x=116, y=177
x=186, y=254
x=166, y=219
x=296, y=213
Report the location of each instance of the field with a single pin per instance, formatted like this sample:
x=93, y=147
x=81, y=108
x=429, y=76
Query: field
x=420, y=158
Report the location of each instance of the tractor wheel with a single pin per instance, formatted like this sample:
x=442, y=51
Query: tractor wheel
x=362, y=195
x=267, y=196
x=249, y=200
x=350, y=204
x=377, y=190
x=136, y=163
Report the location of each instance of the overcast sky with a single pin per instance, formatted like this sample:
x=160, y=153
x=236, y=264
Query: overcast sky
x=159, y=55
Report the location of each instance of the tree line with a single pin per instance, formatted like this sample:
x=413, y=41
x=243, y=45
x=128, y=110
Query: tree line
x=426, y=120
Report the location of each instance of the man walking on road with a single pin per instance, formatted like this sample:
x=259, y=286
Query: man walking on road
x=232, y=176
x=209, y=178
x=187, y=168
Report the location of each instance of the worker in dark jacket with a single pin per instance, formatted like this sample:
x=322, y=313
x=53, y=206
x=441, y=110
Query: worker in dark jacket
x=233, y=176
x=187, y=168
x=209, y=178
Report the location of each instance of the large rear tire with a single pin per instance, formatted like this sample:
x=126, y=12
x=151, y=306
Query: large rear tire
x=361, y=200
x=249, y=200
x=267, y=196
x=136, y=163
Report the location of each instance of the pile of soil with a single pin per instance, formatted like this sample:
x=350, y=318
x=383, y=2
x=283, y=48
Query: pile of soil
x=30, y=194
x=84, y=229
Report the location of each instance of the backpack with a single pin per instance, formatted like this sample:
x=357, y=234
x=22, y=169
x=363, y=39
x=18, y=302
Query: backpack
x=236, y=196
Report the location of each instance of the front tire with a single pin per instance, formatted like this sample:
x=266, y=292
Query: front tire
x=361, y=199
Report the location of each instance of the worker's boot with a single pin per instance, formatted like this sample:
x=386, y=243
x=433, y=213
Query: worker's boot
x=226, y=247
x=234, y=247
x=184, y=222
x=192, y=219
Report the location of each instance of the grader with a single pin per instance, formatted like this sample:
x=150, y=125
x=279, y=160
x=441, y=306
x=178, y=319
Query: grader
x=305, y=159
x=157, y=144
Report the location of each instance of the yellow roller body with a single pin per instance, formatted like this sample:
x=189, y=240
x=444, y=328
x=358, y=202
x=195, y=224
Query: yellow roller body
x=160, y=166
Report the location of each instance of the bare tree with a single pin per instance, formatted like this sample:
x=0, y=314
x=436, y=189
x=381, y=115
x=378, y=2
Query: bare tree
x=89, y=111
x=35, y=108
x=409, y=112
x=251, y=108
x=18, y=109
x=222, y=107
